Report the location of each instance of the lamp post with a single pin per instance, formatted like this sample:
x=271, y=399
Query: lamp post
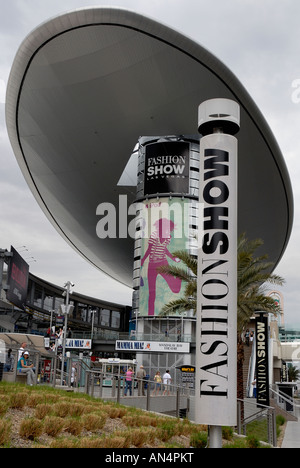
x=65, y=310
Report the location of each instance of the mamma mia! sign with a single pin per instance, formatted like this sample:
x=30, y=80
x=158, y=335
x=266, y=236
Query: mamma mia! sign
x=78, y=344
x=152, y=346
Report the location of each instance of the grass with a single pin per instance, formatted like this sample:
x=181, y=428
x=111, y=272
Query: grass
x=45, y=417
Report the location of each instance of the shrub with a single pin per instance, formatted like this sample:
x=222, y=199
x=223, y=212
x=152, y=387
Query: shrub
x=87, y=442
x=167, y=430
x=113, y=412
x=280, y=420
x=5, y=428
x=3, y=408
x=62, y=409
x=227, y=433
x=113, y=442
x=18, y=400
x=34, y=399
x=73, y=426
x=76, y=410
x=64, y=443
x=94, y=422
x=43, y=410
x=253, y=442
x=53, y=425
x=199, y=440
x=31, y=428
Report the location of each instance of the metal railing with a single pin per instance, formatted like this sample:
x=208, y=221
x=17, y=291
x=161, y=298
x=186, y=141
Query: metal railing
x=287, y=403
x=144, y=393
x=249, y=412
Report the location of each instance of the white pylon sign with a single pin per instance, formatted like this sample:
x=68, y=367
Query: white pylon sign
x=216, y=337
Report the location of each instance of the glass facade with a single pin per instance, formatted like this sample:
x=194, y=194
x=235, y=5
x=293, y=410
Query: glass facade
x=88, y=313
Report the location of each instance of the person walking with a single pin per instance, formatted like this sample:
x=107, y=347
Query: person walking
x=128, y=381
x=24, y=367
x=140, y=375
x=157, y=384
x=21, y=350
x=167, y=379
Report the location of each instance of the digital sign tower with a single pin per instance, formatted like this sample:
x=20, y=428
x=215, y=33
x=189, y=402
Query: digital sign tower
x=167, y=199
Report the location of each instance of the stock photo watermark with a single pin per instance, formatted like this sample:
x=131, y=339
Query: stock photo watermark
x=138, y=219
x=295, y=96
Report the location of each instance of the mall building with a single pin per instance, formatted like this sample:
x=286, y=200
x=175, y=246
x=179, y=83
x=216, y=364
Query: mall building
x=102, y=321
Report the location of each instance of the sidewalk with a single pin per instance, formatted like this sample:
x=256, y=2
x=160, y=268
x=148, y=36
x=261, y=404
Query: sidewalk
x=292, y=435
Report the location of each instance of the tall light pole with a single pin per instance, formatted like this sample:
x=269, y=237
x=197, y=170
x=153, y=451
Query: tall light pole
x=66, y=310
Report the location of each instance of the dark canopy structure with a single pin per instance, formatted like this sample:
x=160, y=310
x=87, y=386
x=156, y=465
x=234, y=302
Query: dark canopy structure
x=85, y=85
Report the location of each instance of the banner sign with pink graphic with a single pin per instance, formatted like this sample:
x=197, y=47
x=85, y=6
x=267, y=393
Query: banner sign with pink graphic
x=164, y=230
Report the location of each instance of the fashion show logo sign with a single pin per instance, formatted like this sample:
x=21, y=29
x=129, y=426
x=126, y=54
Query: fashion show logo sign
x=167, y=168
x=217, y=282
x=262, y=360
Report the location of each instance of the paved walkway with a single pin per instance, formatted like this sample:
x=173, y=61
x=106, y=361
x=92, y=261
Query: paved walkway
x=292, y=435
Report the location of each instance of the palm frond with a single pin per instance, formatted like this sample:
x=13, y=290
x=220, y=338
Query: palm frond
x=253, y=273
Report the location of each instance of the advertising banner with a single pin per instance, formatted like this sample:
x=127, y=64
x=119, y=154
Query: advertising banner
x=78, y=344
x=262, y=360
x=216, y=340
x=164, y=230
x=17, y=280
x=167, y=168
x=152, y=346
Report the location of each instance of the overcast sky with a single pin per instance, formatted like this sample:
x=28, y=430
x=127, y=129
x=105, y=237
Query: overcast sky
x=259, y=40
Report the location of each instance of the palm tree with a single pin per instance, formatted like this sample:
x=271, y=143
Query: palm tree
x=293, y=373
x=188, y=274
x=253, y=273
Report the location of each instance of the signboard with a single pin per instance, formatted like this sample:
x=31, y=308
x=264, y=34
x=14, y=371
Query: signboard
x=164, y=230
x=167, y=168
x=152, y=346
x=216, y=341
x=75, y=343
x=17, y=280
x=284, y=374
x=188, y=375
x=262, y=360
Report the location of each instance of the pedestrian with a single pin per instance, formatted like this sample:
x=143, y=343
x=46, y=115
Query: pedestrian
x=9, y=361
x=140, y=375
x=59, y=336
x=25, y=368
x=21, y=350
x=157, y=384
x=254, y=388
x=167, y=379
x=73, y=375
x=247, y=337
x=128, y=381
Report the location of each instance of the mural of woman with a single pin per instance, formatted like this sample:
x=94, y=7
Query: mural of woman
x=158, y=254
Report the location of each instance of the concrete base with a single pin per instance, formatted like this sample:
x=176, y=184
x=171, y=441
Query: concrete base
x=10, y=377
